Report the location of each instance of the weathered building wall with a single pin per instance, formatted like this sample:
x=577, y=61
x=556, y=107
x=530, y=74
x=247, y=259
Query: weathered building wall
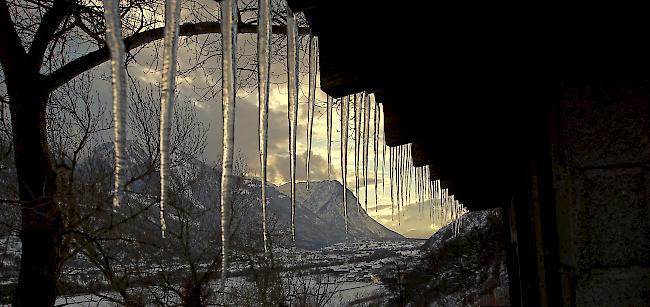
x=601, y=175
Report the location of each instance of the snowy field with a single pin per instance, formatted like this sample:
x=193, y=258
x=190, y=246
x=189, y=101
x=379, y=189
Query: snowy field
x=344, y=292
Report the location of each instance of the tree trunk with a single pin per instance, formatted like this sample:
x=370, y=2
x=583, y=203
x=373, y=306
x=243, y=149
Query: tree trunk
x=42, y=223
x=192, y=295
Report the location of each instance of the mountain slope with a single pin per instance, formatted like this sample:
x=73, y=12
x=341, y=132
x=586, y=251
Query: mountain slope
x=466, y=269
x=325, y=200
x=319, y=211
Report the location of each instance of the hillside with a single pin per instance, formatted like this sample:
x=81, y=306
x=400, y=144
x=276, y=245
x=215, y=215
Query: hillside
x=466, y=269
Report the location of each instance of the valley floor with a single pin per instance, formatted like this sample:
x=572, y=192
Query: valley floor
x=345, y=272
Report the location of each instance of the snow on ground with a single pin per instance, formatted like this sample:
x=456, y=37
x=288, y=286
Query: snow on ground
x=350, y=291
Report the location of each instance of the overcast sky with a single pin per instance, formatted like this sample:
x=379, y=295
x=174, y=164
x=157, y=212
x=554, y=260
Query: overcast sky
x=208, y=107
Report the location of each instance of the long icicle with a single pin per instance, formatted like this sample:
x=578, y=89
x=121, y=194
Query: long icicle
x=452, y=206
x=344, y=157
x=329, y=136
x=390, y=179
x=439, y=202
x=357, y=144
x=311, y=101
x=435, y=202
x=228, y=83
x=432, y=201
x=421, y=186
x=264, y=71
x=396, y=174
x=407, y=173
x=170, y=48
x=395, y=168
x=417, y=189
x=375, y=136
x=400, y=178
x=118, y=77
x=292, y=67
x=366, y=139
x=383, y=147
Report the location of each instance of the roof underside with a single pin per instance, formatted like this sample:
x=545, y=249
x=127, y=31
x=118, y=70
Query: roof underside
x=465, y=84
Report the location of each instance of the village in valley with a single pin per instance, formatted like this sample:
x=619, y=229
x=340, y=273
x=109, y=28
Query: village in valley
x=361, y=261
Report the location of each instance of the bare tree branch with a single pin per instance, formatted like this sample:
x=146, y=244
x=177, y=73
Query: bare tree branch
x=77, y=66
x=12, y=53
x=46, y=31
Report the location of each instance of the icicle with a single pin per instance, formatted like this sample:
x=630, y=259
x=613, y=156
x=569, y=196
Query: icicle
x=292, y=67
x=452, y=212
x=435, y=202
x=445, y=208
x=170, y=47
x=366, y=140
x=439, y=201
x=311, y=101
x=422, y=195
x=434, y=193
x=415, y=186
x=390, y=178
x=396, y=173
x=398, y=167
x=344, y=157
x=228, y=83
x=264, y=72
x=431, y=199
x=409, y=177
x=383, y=147
x=457, y=220
x=329, y=136
x=417, y=189
x=398, y=181
x=420, y=188
x=118, y=77
x=357, y=144
x=402, y=175
x=376, y=147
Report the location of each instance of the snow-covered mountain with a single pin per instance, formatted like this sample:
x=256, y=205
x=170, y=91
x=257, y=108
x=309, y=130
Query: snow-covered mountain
x=319, y=210
x=325, y=200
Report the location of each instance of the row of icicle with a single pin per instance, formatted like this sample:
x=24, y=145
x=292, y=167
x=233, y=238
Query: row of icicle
x=404, y=179
x=409, y=184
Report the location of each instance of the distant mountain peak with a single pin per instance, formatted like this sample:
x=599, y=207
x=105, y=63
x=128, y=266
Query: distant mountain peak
x=325, y=200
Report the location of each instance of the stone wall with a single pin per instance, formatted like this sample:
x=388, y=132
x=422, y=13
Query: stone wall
x=601, y=174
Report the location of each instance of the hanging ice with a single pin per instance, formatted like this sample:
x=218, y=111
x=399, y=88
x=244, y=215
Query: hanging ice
x=118, y=79
x=417, y=188
x=311, y=101
x=228, y=82
x=452, y=208
x=390, y=178
x=357, y=144
x=264, y=70
x=402, y=175
x=407, y=173
x=329, y=136
x=366, y=139
x=383, y=147
x=376, y=147
x=292, y=68
x=170, y=47
x=398, y=181
x=344, y=157
x=396, y=175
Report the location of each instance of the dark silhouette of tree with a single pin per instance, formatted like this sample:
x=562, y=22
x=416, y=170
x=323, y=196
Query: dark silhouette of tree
x=43, y=46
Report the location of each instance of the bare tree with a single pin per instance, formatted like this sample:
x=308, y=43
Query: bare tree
x=44, y=46
x=121, y=243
